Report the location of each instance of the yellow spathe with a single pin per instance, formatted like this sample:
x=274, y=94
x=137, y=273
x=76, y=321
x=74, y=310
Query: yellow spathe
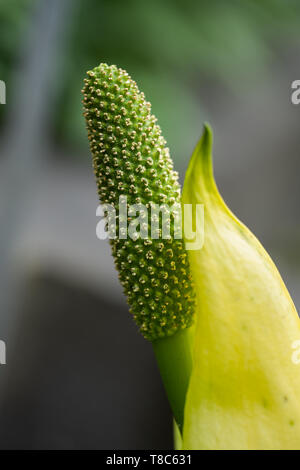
x=244, y=391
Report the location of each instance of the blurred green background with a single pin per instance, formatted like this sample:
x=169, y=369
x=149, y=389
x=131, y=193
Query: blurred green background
x=78, y=374
x=173, y=49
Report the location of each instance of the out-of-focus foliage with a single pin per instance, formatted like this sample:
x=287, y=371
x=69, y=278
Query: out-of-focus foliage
x=170, y=47
x=14, y=17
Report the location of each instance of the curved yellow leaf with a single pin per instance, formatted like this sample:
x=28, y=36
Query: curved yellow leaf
x=244, y=390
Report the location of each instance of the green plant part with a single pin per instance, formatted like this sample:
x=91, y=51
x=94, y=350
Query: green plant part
x=130, y=158
x=244, y=387
x=230, y=379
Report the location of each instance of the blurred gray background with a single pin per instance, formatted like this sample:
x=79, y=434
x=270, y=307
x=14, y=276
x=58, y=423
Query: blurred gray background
x=78, y=374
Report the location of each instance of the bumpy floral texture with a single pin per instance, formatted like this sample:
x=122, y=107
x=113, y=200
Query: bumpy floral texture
x=130, y=158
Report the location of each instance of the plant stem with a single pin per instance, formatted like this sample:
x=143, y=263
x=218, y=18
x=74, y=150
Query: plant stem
x=174, y=358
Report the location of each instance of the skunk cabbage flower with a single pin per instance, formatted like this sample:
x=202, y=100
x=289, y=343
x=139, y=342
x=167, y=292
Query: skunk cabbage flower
x=131, y=160
x=229, y=377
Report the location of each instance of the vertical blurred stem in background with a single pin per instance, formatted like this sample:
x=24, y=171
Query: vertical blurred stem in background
x=24, y=149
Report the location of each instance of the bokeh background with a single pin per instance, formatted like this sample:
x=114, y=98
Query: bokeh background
x=78, y=374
